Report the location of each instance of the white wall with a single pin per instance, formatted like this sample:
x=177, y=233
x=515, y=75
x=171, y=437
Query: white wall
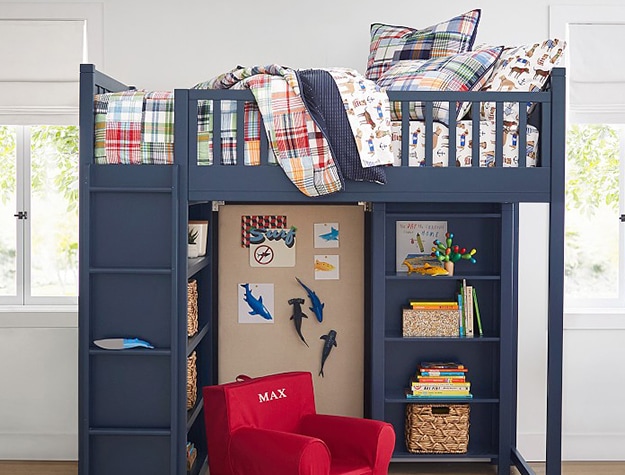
x=158, y=44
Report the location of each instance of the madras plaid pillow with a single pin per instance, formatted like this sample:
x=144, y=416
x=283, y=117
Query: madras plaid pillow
x=393, y=43
x=460, y=72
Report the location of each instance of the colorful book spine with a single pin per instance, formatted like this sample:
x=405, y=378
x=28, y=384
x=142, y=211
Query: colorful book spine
x=440, y=386
x=452, y=365
x=439, y=394
x=460, y=315
x=442, y=373
x=469, y=311
x=478, y=318
x=440, y=379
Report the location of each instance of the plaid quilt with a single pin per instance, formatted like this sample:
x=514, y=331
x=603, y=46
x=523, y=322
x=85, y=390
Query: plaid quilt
x=136, y=127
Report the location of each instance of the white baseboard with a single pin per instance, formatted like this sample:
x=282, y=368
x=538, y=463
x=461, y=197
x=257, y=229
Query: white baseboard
x=575, y=447
x=604, y=447
x=38, y=446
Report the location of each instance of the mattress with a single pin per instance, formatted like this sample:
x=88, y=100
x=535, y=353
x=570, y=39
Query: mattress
x=464, y=139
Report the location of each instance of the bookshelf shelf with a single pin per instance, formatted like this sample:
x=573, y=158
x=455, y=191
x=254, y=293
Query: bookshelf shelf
x=490, y=228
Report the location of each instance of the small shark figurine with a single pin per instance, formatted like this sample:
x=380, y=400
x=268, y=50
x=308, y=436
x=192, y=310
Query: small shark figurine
x=333, y=235
x=317, y=306
x=257, y=305
x=330, y=341
x=297, y=316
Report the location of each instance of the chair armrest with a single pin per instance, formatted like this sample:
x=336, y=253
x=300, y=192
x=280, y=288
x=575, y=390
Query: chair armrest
x=269, y=452
x=354, y=439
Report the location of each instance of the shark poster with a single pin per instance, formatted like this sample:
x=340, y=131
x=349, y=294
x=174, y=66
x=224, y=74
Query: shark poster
x=326, y=235
x=256, y=303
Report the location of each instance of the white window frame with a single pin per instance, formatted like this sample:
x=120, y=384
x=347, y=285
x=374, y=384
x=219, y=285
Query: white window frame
x=93, y=52
x=588, y=314
x=23, y=297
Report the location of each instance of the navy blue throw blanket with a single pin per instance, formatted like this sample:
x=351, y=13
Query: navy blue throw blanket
x=323, y=100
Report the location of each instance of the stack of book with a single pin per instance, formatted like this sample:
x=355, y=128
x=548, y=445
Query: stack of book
x=440, y=379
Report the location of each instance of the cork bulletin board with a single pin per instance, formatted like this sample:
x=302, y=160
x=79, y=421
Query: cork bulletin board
x=327, y=255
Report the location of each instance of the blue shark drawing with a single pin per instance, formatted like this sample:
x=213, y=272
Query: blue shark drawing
x=333, y=235
x=257, y=305
x=317, y=306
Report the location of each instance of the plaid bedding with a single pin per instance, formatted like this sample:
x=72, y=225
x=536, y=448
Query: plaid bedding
x=299, y=139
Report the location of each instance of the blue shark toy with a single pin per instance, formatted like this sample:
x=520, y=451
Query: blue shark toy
x=257, y=305
x=330, y=341
x=317, y=306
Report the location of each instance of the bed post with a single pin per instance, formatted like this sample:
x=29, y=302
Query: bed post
x=556, y=273
x=86, y=122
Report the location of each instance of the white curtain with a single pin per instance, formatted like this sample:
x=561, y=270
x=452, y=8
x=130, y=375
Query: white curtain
x=39, y=70
x=596, y=72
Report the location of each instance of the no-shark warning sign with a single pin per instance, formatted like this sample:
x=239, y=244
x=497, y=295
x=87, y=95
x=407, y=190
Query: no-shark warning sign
x=272, y=247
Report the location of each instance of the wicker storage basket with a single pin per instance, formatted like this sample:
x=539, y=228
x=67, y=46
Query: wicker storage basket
x=437, y=428
x=191, y=380
x=192, y=312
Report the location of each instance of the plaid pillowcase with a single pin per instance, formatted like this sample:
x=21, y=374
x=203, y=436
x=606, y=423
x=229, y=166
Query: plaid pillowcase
x=460, y=72
x=392, y=43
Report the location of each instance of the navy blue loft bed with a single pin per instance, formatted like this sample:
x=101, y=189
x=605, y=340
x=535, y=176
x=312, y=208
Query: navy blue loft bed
x=188, y=182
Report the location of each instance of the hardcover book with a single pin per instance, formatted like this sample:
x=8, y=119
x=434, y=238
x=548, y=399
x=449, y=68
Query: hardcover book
x=415, y=238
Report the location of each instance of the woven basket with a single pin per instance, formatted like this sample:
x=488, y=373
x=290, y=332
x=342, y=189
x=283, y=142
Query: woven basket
x=191, y=380
x=192, y=312
x=437, y=428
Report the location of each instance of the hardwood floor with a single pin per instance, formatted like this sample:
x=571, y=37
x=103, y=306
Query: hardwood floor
x=568, y=468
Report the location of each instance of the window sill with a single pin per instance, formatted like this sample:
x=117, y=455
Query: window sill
x=595, y=319
x=39, y=316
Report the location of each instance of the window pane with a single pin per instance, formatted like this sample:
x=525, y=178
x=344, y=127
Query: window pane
x=592, y=252
x=54, y=211
x=8, y=206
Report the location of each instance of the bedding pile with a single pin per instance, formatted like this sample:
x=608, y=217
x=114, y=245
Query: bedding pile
x=323, y=126
x=327, y=126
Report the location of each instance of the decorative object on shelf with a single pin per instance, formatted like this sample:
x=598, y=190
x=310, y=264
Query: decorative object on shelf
x=437, y=428
x=201, y=227
x=194, y=248
x=192, y=309
x=448, y=253
x=191, y=380
x=414, y=265
x=330, y=341
x=297, y=316
x=121, y=343
x=256, y=305
x=316, y=305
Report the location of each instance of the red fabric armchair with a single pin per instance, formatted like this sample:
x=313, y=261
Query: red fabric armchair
x=269, y=426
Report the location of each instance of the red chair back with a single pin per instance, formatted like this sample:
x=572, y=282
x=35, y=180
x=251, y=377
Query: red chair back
x=275, y=402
